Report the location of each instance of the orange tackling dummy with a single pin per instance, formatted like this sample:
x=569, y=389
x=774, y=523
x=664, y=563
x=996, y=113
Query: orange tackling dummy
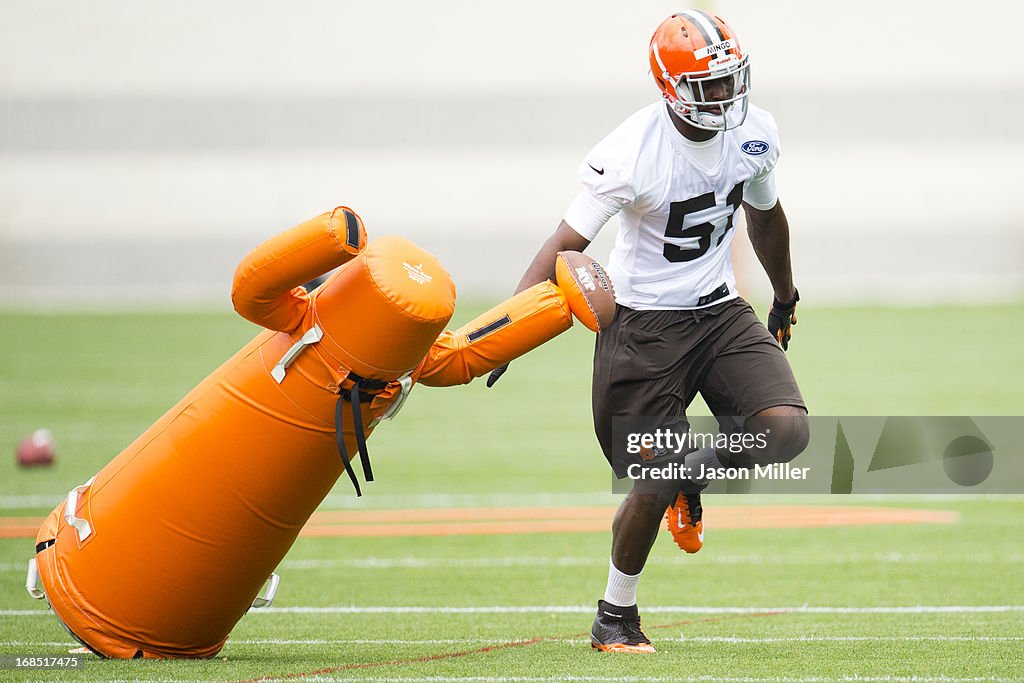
x=166, y=548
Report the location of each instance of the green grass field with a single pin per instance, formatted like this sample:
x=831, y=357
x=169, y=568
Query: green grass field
x=928, y=602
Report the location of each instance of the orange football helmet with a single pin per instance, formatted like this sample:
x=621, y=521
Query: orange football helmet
x=701, y=70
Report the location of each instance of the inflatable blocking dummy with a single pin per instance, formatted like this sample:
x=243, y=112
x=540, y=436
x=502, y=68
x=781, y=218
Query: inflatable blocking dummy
x=165, y=549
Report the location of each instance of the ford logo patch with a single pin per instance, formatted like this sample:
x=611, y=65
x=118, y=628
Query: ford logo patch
x=754, y=147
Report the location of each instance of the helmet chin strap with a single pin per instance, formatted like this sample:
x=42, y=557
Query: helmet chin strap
x=711, y=121
x=708, y=121
x=699, y=119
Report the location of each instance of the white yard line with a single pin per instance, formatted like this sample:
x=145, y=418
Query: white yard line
x=413, y=562
x=571, y=641
x=39, y=500
x=588, y=609
x=649, y=609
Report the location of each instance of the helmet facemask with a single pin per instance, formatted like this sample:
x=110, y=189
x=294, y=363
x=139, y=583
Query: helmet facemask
x=711, y=100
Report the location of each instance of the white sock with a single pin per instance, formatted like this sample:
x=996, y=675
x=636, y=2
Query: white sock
x=621, y=589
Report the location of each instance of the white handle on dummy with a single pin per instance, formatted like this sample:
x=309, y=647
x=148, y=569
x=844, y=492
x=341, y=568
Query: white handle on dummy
x=83, y=527
x=405, y=386
x=312, y=336
x=267, y=598
x=32, y=581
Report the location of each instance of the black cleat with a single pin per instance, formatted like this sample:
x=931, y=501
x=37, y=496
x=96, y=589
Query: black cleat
x=617, y=629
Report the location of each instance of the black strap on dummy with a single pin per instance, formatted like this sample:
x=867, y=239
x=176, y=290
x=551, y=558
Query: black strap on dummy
x=338, y=412
x=356, y=396
x=357, y=415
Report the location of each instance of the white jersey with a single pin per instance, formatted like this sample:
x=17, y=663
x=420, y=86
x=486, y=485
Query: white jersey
x=676, y=201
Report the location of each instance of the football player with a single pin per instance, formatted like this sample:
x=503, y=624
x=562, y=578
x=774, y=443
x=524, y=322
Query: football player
x=676, y=172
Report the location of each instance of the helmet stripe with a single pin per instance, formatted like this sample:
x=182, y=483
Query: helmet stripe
x=714, y=22
x=705, y=25
x=657, y=57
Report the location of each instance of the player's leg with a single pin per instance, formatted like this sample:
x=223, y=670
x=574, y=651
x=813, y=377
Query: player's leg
x=750, y=386
x=636, y=374
x=636, y=525
x=786, y=429
x=616, y=626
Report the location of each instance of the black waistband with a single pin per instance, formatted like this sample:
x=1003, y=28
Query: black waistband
x=368, y=388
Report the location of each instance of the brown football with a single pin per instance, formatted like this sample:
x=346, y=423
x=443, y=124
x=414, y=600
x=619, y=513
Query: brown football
x=587, y=287
x=36, y=449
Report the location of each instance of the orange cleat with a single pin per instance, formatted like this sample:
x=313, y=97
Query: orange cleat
x=685, y=521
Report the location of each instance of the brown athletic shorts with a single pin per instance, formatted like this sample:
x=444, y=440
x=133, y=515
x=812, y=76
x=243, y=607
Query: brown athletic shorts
x=653, y=364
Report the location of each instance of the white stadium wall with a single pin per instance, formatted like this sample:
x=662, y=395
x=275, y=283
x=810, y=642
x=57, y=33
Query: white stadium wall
x=145, y=147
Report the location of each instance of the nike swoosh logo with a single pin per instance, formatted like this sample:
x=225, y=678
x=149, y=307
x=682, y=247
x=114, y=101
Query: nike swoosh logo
x=596, y=170
x=700, y=535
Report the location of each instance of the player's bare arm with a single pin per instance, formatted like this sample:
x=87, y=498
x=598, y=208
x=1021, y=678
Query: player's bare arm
x=542, y=268
x=769, y=235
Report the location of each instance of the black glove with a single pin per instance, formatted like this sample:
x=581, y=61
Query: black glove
x=496, y=374
x=780, y=318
